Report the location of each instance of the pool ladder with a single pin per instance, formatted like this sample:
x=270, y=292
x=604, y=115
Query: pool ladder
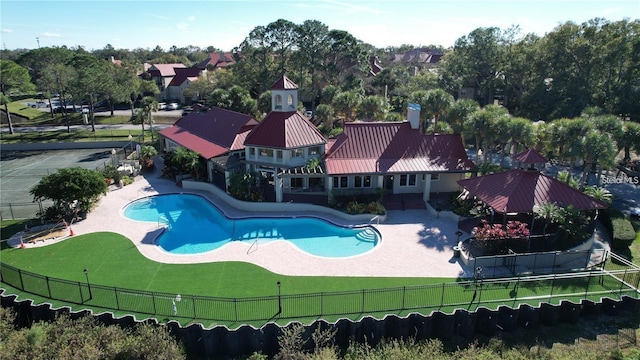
x=255, y=243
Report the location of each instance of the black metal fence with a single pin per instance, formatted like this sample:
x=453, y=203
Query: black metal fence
x=376, y=302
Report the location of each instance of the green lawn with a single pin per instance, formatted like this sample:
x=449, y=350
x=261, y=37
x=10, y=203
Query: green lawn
x=113, y=261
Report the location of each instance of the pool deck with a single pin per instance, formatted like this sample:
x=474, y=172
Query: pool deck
x=414, y=243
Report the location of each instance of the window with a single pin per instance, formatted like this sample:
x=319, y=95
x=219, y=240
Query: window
x=435, y=177
x=297, y=152
x=340, y=182
x=362, y=181
x=296, y=182
x=266, y=152
x=408, y=180
x=279, y=154
x=290, y=100
x=278, y=102
x=252, y=151
x=314, y=150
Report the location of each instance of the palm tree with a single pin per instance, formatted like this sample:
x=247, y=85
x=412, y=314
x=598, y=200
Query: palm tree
x=566, y=178
x=550, y=213
x=438, y=103
x=146, y=153
x=597, y=150
x=188, y=160
x=599, y=193
x=148, y=105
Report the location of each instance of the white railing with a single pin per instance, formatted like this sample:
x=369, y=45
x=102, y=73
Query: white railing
x=255, y=243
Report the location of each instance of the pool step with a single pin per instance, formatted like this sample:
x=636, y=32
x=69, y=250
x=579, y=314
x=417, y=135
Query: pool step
x=367, y=235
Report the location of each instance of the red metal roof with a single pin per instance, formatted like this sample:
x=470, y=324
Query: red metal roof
x=193, y=142
x=164, y=69
x=518, y=191
x=284, y=83
x=385, y=147
x=285, y=130
x=530, y=156
x=221, y=131
x=182, y=74
x=218, y=60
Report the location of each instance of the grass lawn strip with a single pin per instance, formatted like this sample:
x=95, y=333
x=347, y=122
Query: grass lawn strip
x=114, y=261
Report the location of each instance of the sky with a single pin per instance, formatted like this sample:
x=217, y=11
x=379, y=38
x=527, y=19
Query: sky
x=224, y=24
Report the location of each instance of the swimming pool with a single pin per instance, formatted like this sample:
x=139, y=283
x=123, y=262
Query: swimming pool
x=194, y=226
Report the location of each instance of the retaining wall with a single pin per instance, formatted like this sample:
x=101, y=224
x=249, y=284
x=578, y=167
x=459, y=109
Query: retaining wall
x=245, y=340
x=299, y=208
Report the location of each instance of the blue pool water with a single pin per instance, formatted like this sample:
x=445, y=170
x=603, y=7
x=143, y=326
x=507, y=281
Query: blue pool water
x=195, y=226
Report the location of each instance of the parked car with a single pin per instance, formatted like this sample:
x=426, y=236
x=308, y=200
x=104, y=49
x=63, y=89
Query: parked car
x=162, y=106
x=173, y=106
x=309, y=113
x=38, y=104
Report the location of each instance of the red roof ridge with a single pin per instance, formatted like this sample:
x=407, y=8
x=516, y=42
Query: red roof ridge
x=284, y=83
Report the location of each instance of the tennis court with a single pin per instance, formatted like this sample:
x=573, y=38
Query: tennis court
x=21, y=170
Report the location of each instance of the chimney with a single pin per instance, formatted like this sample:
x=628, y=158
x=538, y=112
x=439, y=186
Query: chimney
x=413, y=115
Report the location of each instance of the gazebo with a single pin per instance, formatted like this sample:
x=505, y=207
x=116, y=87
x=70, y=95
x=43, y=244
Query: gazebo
x=529, y=156
x=519, y=191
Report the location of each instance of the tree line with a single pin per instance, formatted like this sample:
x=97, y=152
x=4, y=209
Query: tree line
x=593, y=68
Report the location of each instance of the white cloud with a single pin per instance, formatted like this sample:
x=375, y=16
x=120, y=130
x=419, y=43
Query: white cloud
x=48, y=34
x=182, y=26
x=7, y=30
x=191, y=18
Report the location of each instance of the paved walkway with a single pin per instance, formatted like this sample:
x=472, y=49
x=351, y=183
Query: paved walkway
x=414, y=244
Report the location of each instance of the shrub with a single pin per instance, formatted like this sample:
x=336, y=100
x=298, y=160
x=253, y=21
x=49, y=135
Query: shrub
x=111, y=172
x=127, y=180
x=623, y=233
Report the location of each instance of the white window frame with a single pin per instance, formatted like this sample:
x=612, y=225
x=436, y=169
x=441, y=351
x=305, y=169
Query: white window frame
x=337, y=182
x=408, y=180
x=363, y=179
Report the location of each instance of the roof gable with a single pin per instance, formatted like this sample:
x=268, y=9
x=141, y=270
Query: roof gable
x=222, y=129
x=394, y=147
x=164, y=70
x=218, y=60
x=182, y=74
x=285, y=130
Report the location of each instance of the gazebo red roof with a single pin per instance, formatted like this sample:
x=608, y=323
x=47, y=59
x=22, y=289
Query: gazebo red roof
x=530, y=156
x=518, y=191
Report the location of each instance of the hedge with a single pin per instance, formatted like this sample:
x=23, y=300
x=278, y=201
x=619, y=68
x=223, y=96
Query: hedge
x=623, y=233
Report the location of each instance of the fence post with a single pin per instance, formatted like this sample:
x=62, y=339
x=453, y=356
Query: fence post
x=115, y=292
x=553, y=280
x=586, y=290
x=46, y=278
x=235, y=309
x=21, y=282
x=624, y=278
x=442, y=297
x=321, y=303
x=11, y=210
x=404, y=288
x=153, y=298
x=193, y=301
x=362, y=301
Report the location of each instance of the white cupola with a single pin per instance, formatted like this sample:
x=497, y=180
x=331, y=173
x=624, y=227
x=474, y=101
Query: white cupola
x=284, y=95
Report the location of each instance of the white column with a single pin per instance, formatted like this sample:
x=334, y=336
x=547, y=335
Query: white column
x=426, y=190
x=277, y=184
